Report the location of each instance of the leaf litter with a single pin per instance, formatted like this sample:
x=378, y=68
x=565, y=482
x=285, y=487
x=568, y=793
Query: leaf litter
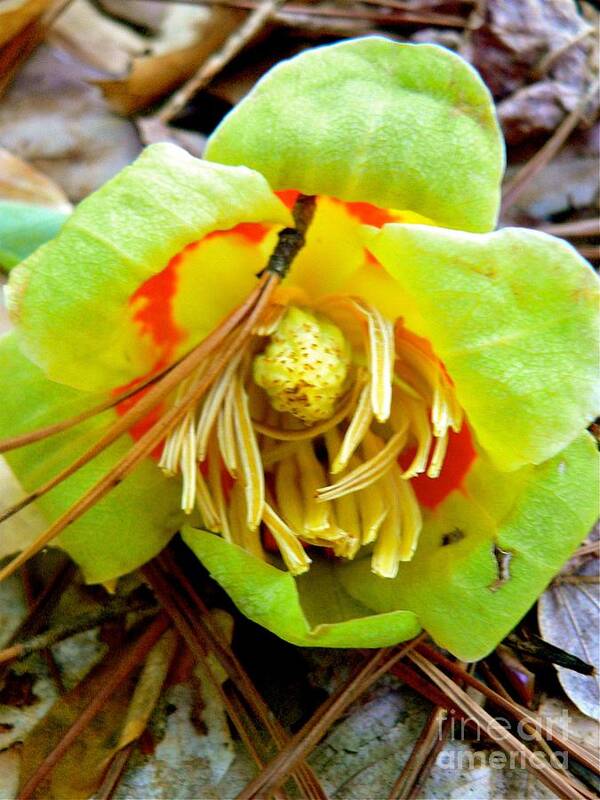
x=539, y=60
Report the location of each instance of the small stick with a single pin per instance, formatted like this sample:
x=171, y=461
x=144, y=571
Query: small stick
x=557, y=781
x=201, y=635
x=215, y=63
x=546, y=153
x=574, y=229
x=580, y=752
x=589, y=251
x=113, y=610
x=125, y=666
x=301, y=744
x=291, y=10
x=423, y=746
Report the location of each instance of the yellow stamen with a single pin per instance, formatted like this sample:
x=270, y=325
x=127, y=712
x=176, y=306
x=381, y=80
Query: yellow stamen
x=248, y=457
x=189, y=467
x=206, y=506
x=422, y=433
x=410, y=514
x=386, y=552
x=381, y=360
x=368, y=472
x=245, y=536
x=226, y=431
x=289, y=498
x=437, y=459
x=312, y=475
x=292, y=552
x=356, y=431
x=211, y=406
x=216, y=487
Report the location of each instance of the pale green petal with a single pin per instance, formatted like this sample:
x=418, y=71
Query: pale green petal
x=23, y=228
x=538, y=515
x=514, y=317
x=70, y=299
x=272, y=598
x=129, y=526
x=397, y=125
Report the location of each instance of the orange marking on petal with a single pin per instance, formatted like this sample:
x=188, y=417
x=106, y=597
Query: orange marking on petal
x=459, y=459
x=254, y=232
x=288, y=197
x=372, y=215
x=153, y=307
x=370, y=259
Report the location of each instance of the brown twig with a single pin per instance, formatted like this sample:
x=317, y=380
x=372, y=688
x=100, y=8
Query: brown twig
x=114, y=773
x=573, y=229
x=114, y=609
x=555, y=780
x=589, y=251
x=130, y=660
x=428, y=737
x=309, y=736
x=255, y=21
x=291, y=10
x=201, y=637
x=169, y=381
x=546, y=153
x=23, y=439
x=578, y=751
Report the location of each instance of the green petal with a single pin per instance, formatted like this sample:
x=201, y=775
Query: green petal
x=131, y=524
x=273, y=598
x=23, y=228
x=538, y=515
x=397, y=125
x=512, y=315
x=70, y=299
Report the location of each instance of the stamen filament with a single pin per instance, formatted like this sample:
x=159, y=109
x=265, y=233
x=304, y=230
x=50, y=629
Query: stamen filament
x=211, y=406
x=248, y=457
x=368, y=472
x=206, y=506
x=355, y=432
x=292, y=552
x=381, y=359
x=312, y=475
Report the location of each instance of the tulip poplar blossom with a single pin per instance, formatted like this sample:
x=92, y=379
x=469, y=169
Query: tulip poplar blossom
x=310, y=353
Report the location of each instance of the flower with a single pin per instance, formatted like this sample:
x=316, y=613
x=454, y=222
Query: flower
x=390, y=437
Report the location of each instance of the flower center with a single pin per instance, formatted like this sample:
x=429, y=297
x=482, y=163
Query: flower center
x=304, y=367
x=302, y=434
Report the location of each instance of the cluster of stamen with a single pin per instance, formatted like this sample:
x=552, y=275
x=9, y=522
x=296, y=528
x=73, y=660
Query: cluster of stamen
x=323, y=471
x=289, y=418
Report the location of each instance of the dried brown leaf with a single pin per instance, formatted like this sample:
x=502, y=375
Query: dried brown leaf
x=20, y=181
x=188, y=36
x=567, y=614
x=58, y=123
x=16, y=14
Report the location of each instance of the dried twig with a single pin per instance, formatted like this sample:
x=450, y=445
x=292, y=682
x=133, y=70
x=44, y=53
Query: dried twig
x=193, y=622
x=424, y=745
x=131, y=659
x=215, y=63
x=543, y=157
x=590, y=759
x=144, y=446
x=115, y=608
x=309, y=736
x=574, y=228
x=557, y=781
x=290, y=10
